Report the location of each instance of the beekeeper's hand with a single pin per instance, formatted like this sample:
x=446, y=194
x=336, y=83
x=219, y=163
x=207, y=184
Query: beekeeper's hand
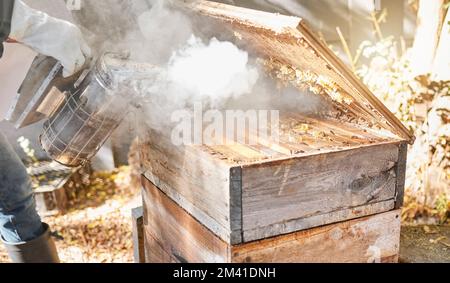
x=49, y=36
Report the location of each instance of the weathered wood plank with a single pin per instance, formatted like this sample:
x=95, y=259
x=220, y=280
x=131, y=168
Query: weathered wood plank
x=212, y=224
x=177, y=232
x=327, y=185
x=191, y=176
x=173, y=235
x=137, y=215
x=370, y=239
x=401, y=175
x=305, y=223
x=154, y=252
x=236, y=205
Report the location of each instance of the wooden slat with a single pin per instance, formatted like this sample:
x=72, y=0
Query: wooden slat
x=350, y=134
x=401, y=175
x=173, y=193
x=322, y=185
x=362, y=134
x=236, y=205
x=318, y=220
x=370, y=239
x=177, y=232
x=268, y=151
x=192, y=177
x=137, y=216
x=279, y=147
x=247, y=152
x=155, y=253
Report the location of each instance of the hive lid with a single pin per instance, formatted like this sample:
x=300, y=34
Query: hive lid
x=287, y=40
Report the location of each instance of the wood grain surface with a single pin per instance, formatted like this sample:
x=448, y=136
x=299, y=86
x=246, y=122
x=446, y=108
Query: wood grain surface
x=173, y=235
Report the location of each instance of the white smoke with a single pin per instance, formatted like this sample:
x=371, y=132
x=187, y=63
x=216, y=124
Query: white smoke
x=212, y=73
x=215, y=71
x=196, y=67
x=162, y=31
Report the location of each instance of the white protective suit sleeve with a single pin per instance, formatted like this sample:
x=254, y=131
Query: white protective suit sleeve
x=53, y=37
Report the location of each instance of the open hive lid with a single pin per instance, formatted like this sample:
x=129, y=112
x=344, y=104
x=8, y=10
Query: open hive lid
x=295, y=54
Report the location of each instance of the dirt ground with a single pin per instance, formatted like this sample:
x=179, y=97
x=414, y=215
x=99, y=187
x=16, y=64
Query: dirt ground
x=425, y=244
x=97, y=229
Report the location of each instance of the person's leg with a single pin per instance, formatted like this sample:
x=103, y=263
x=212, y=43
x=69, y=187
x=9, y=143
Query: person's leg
x=19, y=220
x=26, y=238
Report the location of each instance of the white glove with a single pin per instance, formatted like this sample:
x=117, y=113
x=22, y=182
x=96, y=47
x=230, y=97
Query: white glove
x=49, y=36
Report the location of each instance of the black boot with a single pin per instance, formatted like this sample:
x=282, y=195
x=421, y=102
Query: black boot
x=39, y=250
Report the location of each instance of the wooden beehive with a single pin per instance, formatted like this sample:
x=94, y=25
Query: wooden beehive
x=173, y=236
x=347, y=165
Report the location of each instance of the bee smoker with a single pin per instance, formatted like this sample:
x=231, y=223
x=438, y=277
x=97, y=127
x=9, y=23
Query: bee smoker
x=85, y=120
x=82, y=110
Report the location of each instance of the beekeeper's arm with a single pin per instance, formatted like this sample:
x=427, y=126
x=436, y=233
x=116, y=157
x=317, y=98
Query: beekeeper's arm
x=46, y=35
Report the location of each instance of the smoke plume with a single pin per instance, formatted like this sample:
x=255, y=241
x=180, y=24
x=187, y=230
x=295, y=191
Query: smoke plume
x=192, y=66
x=215, y=71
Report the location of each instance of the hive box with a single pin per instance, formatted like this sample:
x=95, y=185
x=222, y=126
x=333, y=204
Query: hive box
x=344, y=165
x=173, y=235
x=257, y=200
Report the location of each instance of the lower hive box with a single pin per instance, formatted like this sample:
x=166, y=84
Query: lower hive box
x=173, y=235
